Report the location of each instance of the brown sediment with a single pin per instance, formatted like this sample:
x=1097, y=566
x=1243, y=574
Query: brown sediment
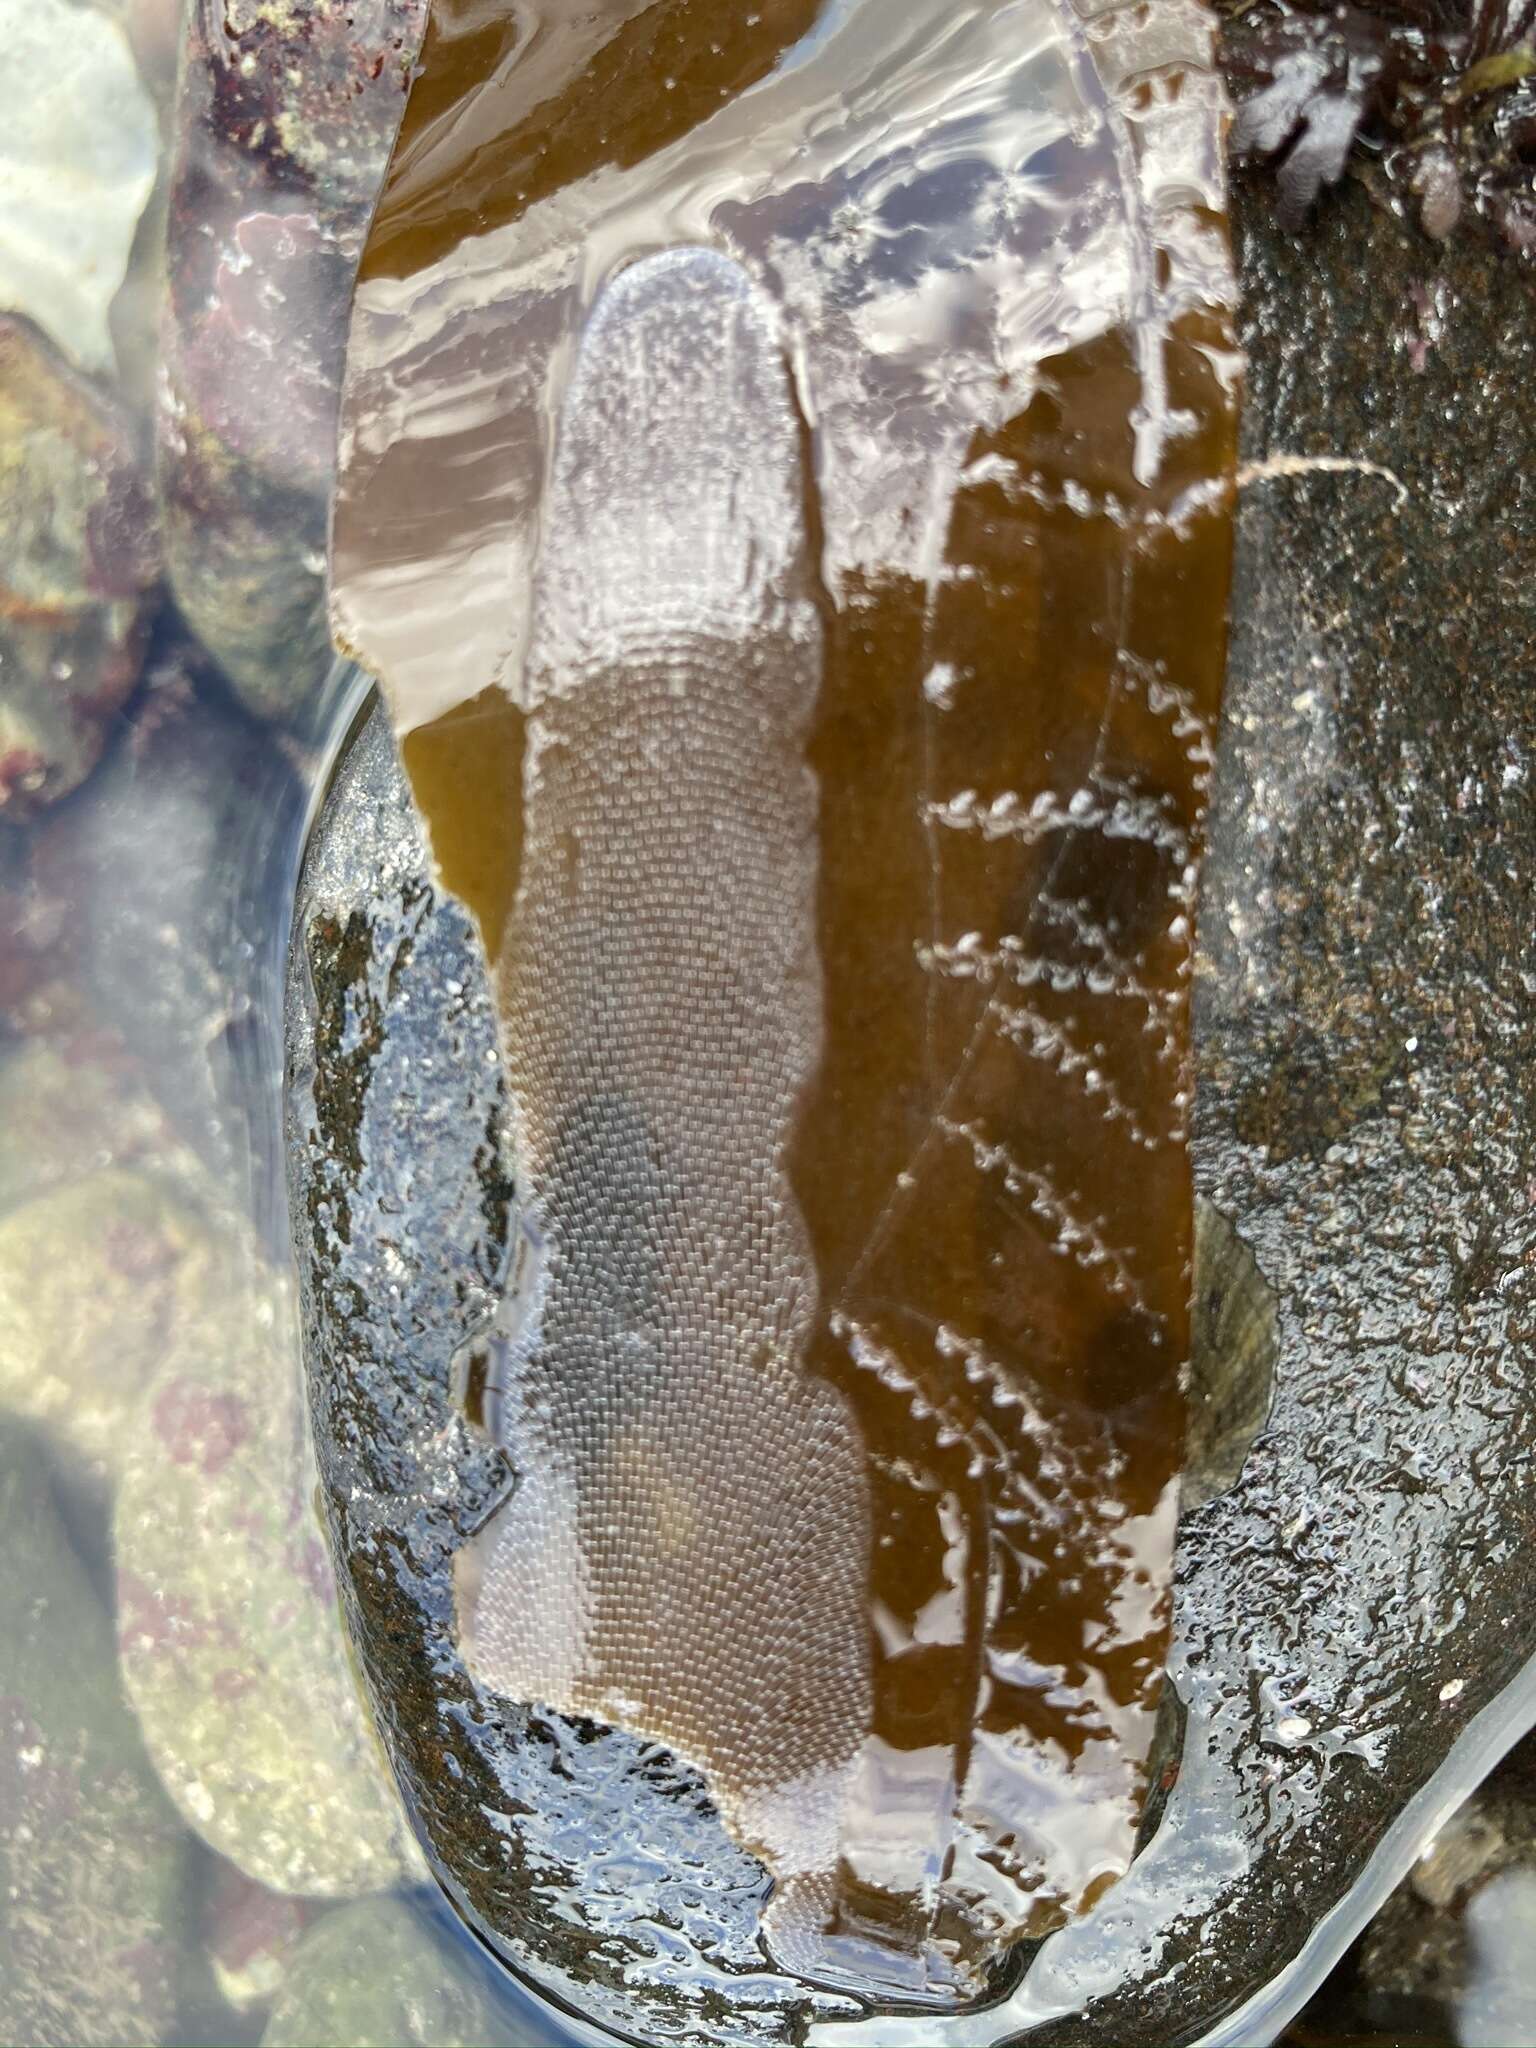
x=497, y=121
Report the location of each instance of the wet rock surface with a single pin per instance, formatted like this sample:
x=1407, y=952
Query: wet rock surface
x=1364, y=1119
x=1353, y=1600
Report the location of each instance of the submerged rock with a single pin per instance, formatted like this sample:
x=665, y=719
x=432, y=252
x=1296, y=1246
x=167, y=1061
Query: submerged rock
x=1353, y=1632
x=381, y=1974
x=80, y=555
x=286, y=112
x=98, y=1279
x=227, y=1624
x=78, y=144
x=92, y=1859
x=158, y=898
x=74, y=1103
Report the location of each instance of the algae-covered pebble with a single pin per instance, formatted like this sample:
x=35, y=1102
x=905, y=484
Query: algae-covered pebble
x=96, y=1278
x=379, y=1975
x=231, y=1643
x=91, y=1857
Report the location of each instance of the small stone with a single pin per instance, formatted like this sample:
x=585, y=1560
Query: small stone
x=250, y=1935
x=381, y=1975
x=92, y=1859
x=1437, y=182
x=79, y=555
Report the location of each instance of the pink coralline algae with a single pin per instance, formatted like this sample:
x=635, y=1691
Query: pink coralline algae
x=198, y=1427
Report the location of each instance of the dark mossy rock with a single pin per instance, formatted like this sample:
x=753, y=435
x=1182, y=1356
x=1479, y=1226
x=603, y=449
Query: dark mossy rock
x=1354, y=1638
x=1352, y=1627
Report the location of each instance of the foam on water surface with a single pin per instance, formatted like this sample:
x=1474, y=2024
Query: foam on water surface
x=785, y=496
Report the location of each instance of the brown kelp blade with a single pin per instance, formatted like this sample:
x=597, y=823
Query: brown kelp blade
x=807, y=642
